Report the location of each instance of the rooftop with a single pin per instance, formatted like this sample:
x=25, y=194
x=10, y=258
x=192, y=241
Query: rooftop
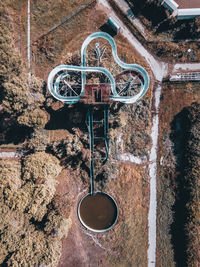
x=188, y=3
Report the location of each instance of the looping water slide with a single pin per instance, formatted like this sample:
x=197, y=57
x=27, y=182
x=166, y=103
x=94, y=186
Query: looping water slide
x=54, y=83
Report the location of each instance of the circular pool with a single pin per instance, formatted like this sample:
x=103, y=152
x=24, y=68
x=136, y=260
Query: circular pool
x=97, y=212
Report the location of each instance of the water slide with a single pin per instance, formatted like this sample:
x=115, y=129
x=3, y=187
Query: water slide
x=55, y=78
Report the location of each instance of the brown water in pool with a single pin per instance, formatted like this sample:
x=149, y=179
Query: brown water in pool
x=98, y=211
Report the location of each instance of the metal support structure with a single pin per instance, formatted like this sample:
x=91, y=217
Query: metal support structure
x=106, y=129
x=91, y=124
x=89, y=121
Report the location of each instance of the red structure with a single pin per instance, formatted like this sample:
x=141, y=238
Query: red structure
x=96, y=94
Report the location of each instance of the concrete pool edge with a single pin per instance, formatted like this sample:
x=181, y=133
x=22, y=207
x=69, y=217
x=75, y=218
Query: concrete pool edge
x=90, y=228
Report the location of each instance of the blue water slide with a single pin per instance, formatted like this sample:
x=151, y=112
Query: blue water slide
x=53, y=83
x=131, y=67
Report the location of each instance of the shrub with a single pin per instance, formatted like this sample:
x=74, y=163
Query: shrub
x=30, y=234
x=21, y=100
x=36, y=251
x=41, y=196
x=57, y=224
x=38, y=141
x=192, y=180
x=10, y=174
x=36, y=118
x=17, y=97
x=40, y=165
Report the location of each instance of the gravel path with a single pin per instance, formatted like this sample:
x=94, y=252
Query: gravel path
x=153, y=175
x=12, y=154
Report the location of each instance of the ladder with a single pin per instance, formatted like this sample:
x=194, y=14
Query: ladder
x=92, y=124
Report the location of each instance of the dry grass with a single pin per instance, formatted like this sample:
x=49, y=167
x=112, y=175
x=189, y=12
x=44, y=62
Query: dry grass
x=48, y=51
x=44, y=15
x=129, y=239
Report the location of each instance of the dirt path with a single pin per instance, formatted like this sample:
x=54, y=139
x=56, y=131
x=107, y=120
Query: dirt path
x=80, y=249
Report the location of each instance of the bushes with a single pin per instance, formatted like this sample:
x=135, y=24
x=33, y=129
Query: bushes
x=36, y=118
x=17, y=96
x=19, y=99
x=57, y=225
x=38, y=140
x=36, y=251
x=24, y=102
x=186, y=225
x=138, y=140
x=30, y=228
x=10, y=175
x=192, y=178
x=40, y=165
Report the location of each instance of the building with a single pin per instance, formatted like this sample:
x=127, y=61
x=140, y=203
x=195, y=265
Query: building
x=182, y=13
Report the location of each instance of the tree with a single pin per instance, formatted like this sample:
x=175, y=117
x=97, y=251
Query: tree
x=30, y=233
x=20, y=100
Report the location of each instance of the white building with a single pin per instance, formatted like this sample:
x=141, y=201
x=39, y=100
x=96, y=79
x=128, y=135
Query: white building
x=183, y=13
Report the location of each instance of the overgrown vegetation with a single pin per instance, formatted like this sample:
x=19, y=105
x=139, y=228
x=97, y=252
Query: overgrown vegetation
x=21, y=101
x=192, y=185
x=30, y=230
x=171, y=191
x=159, y=19
x=31, y=224
x=185, y=226
x=164, y=35
x=135, y=121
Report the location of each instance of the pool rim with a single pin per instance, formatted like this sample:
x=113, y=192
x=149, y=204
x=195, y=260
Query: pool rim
x=92, y=229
